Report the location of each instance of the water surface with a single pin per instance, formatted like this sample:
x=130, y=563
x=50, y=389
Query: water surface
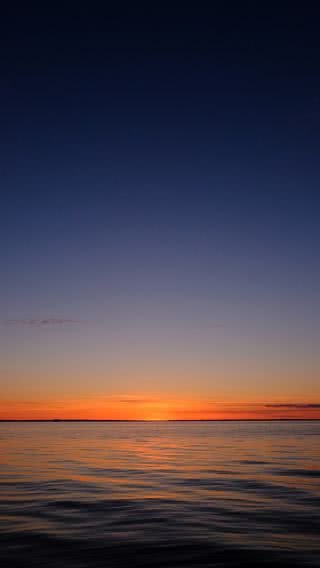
x=164, y=494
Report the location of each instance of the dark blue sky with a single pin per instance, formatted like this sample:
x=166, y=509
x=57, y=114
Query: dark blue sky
x=160, y=181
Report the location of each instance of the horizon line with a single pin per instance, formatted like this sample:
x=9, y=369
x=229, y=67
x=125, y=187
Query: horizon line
x=160, y=420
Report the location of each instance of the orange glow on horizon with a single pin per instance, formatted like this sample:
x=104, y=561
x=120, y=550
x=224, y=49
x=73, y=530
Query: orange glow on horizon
x=130, y=407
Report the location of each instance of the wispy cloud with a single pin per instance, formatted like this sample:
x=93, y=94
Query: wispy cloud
x=133, y=400
x=292, y=405
x=40, y=322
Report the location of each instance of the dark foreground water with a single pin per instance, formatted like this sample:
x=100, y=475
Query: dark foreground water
x=160, y=494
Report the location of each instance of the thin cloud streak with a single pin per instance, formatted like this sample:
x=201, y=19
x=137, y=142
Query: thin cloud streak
x=135, y=400
x=41, y=322
x=292, y=405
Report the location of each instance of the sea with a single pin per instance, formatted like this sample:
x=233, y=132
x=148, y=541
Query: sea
x=159, y=494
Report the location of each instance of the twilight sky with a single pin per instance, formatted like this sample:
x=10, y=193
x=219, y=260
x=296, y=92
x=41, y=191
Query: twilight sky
x=159, y=220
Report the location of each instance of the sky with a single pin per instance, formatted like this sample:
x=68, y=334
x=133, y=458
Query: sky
x=159, y=220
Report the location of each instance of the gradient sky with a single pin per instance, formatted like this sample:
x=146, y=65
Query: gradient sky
x=159, y=220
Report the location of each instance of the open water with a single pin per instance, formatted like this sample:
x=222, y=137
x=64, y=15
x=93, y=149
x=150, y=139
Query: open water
x=162, y=494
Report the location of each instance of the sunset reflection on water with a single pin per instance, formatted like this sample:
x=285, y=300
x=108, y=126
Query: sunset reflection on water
x=216, y=485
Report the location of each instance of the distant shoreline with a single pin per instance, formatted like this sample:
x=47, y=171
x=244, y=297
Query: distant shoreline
x=170, y=420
